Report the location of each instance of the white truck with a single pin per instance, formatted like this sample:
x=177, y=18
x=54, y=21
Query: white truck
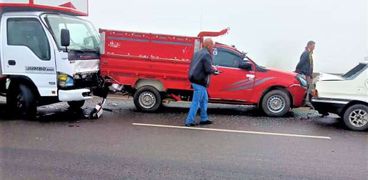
x=345, y=95
x=47, y=54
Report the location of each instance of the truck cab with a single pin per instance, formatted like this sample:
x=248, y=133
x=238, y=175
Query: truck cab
x=345, y=95
x=46, y=56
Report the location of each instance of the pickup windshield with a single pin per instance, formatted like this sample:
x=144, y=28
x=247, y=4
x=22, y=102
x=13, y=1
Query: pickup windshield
x=83, y=36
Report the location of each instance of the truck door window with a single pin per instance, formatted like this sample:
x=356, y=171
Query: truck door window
x=28, y=32
x=226, y=59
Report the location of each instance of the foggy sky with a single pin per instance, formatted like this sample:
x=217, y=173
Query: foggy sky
x=273, y=32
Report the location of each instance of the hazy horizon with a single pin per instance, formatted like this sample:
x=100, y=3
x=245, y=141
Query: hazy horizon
x=274, y=33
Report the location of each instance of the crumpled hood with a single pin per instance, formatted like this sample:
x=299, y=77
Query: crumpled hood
x=329, y=77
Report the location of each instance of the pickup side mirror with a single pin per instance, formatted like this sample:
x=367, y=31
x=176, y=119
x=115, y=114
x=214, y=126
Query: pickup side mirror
x=65, y=38
x=245, y=65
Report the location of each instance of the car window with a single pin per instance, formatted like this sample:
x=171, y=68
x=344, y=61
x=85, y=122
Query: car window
x=28, y=32
x=225, y=58
x=355, y=71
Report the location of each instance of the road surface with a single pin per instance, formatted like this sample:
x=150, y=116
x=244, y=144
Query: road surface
x=125, y=144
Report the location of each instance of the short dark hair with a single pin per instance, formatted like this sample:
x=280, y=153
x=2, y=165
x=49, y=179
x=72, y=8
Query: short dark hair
x=311, y=43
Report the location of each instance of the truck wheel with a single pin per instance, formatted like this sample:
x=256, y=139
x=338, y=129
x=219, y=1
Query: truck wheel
x=147, y=99
x=76, y=105
x=356, y=117
x=21, y=101
x=276, y=103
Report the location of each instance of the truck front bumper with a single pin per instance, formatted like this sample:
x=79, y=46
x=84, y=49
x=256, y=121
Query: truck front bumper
x=326, y=105
x=74, y=95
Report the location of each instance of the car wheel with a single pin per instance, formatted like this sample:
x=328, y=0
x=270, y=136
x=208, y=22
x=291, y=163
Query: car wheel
x=147, y=99
x=21, y=101
x=356, y=117
x=76, y=105
x=276, y=103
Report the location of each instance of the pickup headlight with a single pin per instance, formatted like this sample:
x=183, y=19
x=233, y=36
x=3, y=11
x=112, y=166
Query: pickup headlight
x=65, y=80
x=302, y=80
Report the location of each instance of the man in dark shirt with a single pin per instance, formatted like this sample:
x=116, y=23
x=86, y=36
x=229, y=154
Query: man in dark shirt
x=305, y=67
x=199, y=75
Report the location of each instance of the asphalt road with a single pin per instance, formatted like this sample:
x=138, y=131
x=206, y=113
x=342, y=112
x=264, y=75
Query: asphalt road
x=125, y=144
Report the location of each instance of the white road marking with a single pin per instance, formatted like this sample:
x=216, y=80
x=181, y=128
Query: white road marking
x=233, y=131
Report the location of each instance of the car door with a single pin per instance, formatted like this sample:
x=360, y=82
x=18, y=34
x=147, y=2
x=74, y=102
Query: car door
x=27, y=52
x=234, y=83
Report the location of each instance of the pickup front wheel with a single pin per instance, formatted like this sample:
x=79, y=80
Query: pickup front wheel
x=147, y=99
x=276, y=103
x=356, y=117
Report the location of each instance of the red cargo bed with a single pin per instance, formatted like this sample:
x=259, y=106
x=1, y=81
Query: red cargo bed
x=131, y=56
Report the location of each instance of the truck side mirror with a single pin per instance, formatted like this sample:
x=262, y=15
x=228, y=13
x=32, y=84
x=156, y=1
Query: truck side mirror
x=65, y=38
x=245, y=65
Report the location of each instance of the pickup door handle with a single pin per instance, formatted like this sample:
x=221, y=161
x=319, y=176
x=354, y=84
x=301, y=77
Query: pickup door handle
x=12, y=62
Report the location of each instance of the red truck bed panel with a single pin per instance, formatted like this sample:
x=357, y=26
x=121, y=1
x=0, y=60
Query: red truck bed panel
x=130, y=56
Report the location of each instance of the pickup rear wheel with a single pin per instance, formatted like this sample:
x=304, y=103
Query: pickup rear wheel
x=147, y=99
x=276, y=103
x=356, y=117
x=21, y=101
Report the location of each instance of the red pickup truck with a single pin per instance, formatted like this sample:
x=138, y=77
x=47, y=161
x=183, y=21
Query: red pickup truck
x=154, y=67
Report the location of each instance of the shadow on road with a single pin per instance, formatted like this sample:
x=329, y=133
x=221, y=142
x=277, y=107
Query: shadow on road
x=46, y=115
x=65, y=115
x=228, y=110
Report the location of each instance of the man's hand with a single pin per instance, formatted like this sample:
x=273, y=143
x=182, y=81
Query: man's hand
x=216, y=71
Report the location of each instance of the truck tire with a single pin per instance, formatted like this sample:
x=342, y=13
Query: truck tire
x=147, y=99
x=356, y=117
x=276, y=103
x=21, y=101
x=76, y=105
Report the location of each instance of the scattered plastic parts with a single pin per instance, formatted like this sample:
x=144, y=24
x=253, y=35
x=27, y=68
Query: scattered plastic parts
x=98, y=110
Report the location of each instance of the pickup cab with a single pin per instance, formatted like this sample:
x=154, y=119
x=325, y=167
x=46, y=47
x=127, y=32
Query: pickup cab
x=154, y=68
x=345, y=95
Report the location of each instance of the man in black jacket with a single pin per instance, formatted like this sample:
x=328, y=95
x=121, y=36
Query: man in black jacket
x=199, y=75
x=305, y=67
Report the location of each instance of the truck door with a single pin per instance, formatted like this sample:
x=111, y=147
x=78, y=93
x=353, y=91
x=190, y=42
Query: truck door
x=26, y=51
x=233, y=84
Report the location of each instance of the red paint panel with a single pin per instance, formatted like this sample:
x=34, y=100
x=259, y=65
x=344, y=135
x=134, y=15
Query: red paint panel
x=68, y=8
x=130, y=56
x=133, y=55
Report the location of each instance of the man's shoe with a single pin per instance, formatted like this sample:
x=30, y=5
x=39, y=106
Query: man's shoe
x=205, y=122
x=190, y=125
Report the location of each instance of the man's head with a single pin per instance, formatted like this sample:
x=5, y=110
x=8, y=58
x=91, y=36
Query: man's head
x=310, y=46
x=208, y=44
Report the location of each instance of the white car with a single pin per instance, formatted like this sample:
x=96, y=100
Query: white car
x=345, y=95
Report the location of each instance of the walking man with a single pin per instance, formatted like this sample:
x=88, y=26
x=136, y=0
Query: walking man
x=305, y=67
x=199, y=75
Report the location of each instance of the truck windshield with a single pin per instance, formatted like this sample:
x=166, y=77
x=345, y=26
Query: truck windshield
x=83, y=36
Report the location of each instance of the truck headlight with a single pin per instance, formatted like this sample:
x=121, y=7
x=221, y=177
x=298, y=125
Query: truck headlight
x=302, y=80
x=65, y=80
